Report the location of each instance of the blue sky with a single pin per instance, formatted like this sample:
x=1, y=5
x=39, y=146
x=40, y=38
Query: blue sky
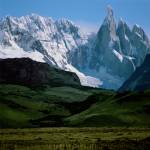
x=87, y=13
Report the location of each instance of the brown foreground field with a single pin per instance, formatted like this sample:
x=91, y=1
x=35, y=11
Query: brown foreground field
x=75, y=139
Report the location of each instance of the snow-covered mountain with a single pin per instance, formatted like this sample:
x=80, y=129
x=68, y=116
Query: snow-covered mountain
x=107, y=58
x=44, y=40
x=118, y=51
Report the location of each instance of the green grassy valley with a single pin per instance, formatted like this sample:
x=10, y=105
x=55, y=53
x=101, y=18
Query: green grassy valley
x=21, y=105
x=72, y=106
x=126, y=109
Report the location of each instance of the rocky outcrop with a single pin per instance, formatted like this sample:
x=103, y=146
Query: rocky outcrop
x=24, y=71
x=140, y=79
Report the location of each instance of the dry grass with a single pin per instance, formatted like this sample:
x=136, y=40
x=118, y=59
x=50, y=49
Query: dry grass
x=74, y=138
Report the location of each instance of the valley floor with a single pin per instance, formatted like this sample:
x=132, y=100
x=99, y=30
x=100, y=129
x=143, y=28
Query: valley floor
x=75, y=139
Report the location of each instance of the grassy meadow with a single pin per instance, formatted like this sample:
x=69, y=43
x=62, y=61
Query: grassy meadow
x=75, y=139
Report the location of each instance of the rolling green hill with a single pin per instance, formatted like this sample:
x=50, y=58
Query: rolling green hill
x=21, y=105
x=67, y=106
x=126, y=109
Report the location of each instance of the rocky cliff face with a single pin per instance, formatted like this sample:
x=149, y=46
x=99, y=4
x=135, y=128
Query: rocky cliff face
x=140, y=79
x=118, y=50
x=106, y=59
x=24, y=71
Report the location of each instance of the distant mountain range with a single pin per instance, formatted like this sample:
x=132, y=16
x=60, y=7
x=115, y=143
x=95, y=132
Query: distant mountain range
x=105, y=59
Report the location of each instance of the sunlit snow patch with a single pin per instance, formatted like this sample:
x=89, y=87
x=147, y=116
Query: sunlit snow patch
x=85, y=80
x=10, y=52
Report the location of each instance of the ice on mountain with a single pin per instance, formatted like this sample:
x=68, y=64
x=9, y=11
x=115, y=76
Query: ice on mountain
x=126, y=37
x=9, y=52
x=85, y=80
x=118, y=55
x=138, y=26
x=138, y=34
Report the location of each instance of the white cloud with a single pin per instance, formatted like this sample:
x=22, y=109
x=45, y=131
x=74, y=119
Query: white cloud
x=88, y=27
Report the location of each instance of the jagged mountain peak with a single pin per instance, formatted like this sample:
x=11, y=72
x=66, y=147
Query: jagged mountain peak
x=68, y=26
x=138, y=30
x=137, y=26
x=66, y=21
x=118, y=50
x=122, y=22
x=109, y=24
x=32, y=15
x=37, y=23
x=110, y=12
x=110, y=16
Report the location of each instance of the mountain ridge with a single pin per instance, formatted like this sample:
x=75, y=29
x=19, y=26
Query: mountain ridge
x=118, y=50
x=46, y=41
x=104, y=60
